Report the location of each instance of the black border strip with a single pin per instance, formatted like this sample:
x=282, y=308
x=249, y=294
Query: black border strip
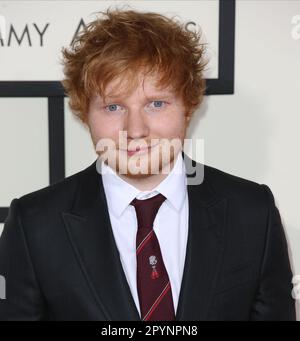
x=56, y=127
x=224, y=84
x=54, y=91
x=31, y=89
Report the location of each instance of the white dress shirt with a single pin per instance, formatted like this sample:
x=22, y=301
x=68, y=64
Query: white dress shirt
x=170, y=224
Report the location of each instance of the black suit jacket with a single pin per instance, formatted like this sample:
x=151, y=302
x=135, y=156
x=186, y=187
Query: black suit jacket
x=60, y=260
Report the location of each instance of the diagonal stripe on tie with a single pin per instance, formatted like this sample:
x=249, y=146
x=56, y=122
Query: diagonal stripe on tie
x=144, y=241
x=157, y=302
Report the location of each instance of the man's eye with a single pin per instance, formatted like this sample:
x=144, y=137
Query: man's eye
x=157, y=104
x=112, y=107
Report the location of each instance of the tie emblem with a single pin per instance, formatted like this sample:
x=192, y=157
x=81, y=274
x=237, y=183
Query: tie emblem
x=153, y=262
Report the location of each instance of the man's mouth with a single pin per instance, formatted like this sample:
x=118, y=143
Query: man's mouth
x=139, y=150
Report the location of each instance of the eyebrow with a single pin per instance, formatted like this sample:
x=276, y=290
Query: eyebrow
x=149, y=97
x=160, y=95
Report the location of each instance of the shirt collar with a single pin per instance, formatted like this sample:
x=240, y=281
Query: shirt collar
x=120, y=193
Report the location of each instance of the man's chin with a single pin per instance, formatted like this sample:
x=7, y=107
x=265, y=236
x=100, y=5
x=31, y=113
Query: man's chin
x=137, y=170
x=141, y=166
x=132, y=170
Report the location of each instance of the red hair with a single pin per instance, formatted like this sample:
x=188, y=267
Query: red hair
x=120, y=43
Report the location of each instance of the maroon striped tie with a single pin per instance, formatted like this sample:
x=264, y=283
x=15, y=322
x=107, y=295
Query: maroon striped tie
x=153, y=284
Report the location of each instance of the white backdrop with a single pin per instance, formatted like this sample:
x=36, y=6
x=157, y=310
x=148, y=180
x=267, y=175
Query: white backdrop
x=253, y=134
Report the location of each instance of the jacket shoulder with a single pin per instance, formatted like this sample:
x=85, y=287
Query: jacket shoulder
x=228, y=185
x=59, y=195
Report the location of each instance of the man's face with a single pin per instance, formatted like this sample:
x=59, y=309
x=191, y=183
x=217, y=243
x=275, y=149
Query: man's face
x=154, y=120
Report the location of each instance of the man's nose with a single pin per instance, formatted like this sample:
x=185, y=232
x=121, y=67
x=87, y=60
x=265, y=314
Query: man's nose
x=135, y=124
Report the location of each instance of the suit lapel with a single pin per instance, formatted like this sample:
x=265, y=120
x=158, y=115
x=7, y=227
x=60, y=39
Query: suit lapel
x=90, y=233
x=204, y=251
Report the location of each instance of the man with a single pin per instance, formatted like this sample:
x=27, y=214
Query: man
x=129, y=238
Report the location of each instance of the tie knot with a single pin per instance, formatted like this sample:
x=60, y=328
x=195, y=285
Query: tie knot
x=147, y=209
